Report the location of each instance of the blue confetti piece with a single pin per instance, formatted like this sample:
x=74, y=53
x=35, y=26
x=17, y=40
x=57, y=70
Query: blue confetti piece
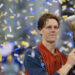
x=27, y=17
x=16, y=49
x=47, y=0
x=73, y=44
x=70, y=2
x=15, y=58
x=44, y=4
x=29, y=32
x=12, y=42
x=32, y=12
x=35, y=23
x=15, y=6
x=26, y=27
x=63, y=51
x=31, y=0
x=22, y=18
x=13, y=15
x=15, y=20
x=34, y=37
x=3, y=58
x=42, y=64
x=21, y=1
x=68, y=33
x=0, y=46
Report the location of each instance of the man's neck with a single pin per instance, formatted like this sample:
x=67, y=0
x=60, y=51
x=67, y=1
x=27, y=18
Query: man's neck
x=50, y=46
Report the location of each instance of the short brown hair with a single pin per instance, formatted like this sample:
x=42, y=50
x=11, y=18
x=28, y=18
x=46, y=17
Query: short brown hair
x=44, y=17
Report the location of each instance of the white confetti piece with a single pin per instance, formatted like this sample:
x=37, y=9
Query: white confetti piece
x=55, y=1
x=57, y=12
x=10, y=35
x=31, y=9
x=16, y=55
x=5, y=21
x=70, y=44
x=60, y=1
x=28, y=36
x=72, y=9
x=5, y=13
x=18, y=23
x=33, y=54
x=48, y=3
x=11, y=11
x=10, y=29
x=26, y=18
x=19, y=27
x=21, y=62
x=18, y=15
x=61, y=49
x=16, y=43
x=46, y=10
x=24, y=11
x=63, y=9
x=65, y=42
x=31, y=24
x=1, y=5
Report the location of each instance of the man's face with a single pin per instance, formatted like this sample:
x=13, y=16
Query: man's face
x=50, y=30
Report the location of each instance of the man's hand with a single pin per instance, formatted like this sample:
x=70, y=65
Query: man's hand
x=71, y=57
x=69, y=64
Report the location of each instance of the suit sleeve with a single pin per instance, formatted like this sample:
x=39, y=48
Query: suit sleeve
x=33, y=64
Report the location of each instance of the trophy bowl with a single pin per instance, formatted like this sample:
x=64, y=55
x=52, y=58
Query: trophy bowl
x=71, y=23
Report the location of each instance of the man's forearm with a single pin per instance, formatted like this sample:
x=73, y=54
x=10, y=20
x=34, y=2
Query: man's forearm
x=65, y=69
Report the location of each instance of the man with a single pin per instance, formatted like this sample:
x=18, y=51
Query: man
x=45, y=59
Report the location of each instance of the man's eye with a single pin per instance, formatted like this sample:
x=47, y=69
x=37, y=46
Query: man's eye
x=49, y=27
x=56, y=27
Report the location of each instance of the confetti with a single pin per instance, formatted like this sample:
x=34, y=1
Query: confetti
x=11, y=11
x=1, y=5
x=31, y=16
x=48, y=3
x=10, y=29
x=5, y=37
x=1, y=14
x=5, y=13
x=19, y=27
x=22, y=16
x=34, y=32
x=0, y=57
x=12, y=17
x=26, y=44
x=10, y=35
x=5, y=21
x=4, y=28
x=10, y=0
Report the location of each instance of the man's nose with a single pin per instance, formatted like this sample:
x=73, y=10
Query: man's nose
x=52, y=29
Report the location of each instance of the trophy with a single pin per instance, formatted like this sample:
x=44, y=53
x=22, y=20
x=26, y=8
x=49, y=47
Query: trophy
x=71, y=23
